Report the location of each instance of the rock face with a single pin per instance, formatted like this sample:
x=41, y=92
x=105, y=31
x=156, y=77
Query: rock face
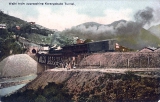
x=18, y=65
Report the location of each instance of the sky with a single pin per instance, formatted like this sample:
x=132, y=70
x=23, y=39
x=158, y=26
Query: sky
x=75, y=12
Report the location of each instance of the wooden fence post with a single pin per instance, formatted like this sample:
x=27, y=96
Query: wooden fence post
x=128, y=63
x=148, y=62
x=139, y=62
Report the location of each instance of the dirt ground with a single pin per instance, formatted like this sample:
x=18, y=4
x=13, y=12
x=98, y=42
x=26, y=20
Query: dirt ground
x=102, y=83
x=108, y=70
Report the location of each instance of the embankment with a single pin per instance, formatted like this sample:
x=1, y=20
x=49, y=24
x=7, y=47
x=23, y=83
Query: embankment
x=91, y=86
x=122, y=60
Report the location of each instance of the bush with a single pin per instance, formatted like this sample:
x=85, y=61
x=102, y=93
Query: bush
x=40, y=98
x=129, y=75
x=51, y=93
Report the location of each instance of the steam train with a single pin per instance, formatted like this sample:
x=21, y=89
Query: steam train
x=73, y=54
x=92, y=47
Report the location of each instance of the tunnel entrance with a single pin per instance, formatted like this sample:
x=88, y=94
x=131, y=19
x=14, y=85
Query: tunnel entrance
x=34, y=51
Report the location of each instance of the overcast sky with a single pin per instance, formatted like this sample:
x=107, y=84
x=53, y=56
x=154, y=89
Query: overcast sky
x=64, y=16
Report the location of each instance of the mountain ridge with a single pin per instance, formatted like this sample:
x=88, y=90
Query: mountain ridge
x=127, y=33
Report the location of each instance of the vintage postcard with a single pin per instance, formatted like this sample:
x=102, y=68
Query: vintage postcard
x=79, y=50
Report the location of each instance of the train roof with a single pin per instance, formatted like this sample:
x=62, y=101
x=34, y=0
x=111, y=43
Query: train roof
x=89, y=42
x=103, y=40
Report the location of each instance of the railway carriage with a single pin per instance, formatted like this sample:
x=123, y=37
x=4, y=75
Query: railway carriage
x=92, y=47
x=76, y=52
x=101, y=46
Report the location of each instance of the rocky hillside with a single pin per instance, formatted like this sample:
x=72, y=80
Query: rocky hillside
x=89, y=86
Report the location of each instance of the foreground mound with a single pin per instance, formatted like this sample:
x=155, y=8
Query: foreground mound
x=18, y=65
x=89, y=86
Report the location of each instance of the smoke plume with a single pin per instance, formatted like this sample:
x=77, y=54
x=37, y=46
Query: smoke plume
x=120, y=28
x=144, y=16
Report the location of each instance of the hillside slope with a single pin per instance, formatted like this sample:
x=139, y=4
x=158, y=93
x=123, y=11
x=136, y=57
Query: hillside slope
x=91, y=24
x=155, y=30
x=138, y=41
x=92, y=86
x=10, y=20
x=26, y=28
x=15, y=26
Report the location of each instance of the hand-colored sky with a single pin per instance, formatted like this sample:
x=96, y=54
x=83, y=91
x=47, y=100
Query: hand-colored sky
x=64, y=16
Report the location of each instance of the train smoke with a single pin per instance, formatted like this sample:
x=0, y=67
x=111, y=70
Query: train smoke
x=144, y=16
x=120, y=28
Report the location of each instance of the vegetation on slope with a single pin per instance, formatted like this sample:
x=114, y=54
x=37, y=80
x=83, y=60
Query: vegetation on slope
x=38, y=39
x=155, y=30
x=91, y=87
x=138, y=41
x=33, y=32
x=62, y=39
x=121, y=88
x=51, y=93
x=26, y=28
x=8, y=45
x=10, y=20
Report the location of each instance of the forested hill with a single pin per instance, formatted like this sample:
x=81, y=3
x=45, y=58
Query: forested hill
x=11, y=26
x=10, y=20
x=25, y=27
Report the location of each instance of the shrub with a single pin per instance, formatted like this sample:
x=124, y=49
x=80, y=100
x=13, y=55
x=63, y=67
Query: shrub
x=40, y=98
x=129, y=75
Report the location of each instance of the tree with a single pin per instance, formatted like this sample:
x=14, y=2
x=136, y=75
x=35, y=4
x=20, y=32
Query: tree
x=7, y=43
x=4, y=33
x=61, y=39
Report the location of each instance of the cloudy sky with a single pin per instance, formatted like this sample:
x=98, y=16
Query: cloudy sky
x=65, y=16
